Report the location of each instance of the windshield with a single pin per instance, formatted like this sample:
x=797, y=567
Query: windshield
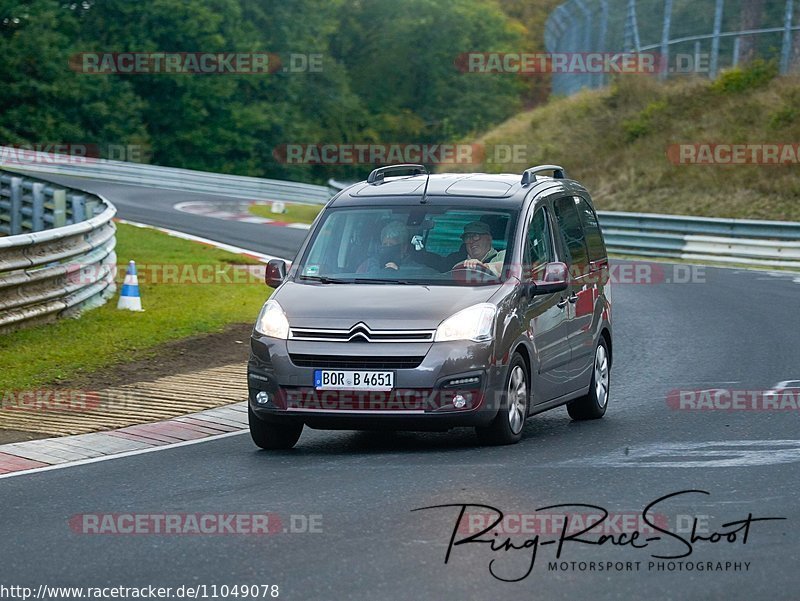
x=414, y=245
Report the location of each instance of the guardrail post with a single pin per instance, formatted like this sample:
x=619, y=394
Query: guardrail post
x=632, y=42
x=59, y=208
x=697, y=49
x=663, y=60
x=90, y=206
x=586, y=39
x=602, y=39
x=37, y=215
x=78, y=213
x=786, y=46
x=15, y=220
x=720, y=5
x=737, y=42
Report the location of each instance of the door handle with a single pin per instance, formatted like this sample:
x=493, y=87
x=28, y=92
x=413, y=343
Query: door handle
x=562, y=303
x=573, y=299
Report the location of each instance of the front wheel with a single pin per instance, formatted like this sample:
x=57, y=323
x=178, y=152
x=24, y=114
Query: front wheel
x=506, y=428
x=273, y=435
x=593, y=405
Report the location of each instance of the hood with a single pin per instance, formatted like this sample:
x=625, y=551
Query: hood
x=379, y=306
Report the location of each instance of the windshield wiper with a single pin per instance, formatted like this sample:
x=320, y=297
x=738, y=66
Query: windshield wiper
x=327, y=280
x=324, y=279
x=382, y=281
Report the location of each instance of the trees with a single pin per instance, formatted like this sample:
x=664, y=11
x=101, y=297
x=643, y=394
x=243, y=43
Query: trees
x=388, y=75
x=42, y=100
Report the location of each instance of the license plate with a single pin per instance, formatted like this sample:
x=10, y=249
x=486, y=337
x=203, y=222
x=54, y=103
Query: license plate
x=334, y=379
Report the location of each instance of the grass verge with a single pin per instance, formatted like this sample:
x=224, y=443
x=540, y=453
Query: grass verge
x=186, y=288
x=295, y=213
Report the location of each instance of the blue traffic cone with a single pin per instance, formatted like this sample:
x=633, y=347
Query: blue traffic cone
x=129, y=298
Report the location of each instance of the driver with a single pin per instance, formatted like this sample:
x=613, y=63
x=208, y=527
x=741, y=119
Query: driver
x=477, y=238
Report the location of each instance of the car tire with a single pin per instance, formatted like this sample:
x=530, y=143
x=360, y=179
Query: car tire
x=594, y=404
x=506, y=427
x=273, y=435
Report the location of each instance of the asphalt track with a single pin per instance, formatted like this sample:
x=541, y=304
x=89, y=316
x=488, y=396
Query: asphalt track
x=727, y=329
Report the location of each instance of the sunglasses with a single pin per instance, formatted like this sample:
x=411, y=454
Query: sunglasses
x=472, y=237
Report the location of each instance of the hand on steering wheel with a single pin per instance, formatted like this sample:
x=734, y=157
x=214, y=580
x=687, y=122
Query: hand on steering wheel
x=474, y=265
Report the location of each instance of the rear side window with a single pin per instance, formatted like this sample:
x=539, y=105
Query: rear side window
x=591, y=229
x=569, y=223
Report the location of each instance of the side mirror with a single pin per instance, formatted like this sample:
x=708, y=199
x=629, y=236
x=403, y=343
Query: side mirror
x=276, y=273
x=553, y=278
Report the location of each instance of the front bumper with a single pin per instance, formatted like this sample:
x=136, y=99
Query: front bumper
x=455, y=384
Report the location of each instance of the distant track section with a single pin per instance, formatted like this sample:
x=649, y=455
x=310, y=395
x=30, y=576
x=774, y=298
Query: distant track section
x=167, y=178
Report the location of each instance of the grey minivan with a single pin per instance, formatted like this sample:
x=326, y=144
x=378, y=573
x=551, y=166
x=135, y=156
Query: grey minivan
x=432, y=301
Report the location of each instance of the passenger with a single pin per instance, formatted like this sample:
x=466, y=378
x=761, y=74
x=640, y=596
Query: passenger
x=477, y=237
x=395, y=250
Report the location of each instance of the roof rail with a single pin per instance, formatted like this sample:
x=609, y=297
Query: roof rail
x=528, y=176
x=376, y=177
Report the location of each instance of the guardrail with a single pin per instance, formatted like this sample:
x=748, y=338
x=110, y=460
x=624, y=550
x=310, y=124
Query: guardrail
x=167, y=178
x=59, y=258
x=706, y=239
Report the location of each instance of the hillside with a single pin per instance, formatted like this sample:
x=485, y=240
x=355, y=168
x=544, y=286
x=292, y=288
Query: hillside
x=615, y=141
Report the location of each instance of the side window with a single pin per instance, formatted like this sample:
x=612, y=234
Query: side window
x=594, y=239
x=569, y=224
x=538, y=243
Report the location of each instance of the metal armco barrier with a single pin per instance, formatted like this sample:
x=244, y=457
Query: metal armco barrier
x=59, y=257
x=167, y=178
x=703, y=239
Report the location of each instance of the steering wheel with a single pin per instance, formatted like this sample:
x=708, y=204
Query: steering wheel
x=461, y=272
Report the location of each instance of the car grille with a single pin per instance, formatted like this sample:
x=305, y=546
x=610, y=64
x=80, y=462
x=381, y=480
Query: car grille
x=355, y=362
x=361, y=333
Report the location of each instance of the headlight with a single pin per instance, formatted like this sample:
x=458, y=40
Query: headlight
x=272, y=321
x=473, y=323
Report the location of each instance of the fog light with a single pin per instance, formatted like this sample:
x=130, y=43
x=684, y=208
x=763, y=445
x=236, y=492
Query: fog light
x=262, y=398
x=459, y=402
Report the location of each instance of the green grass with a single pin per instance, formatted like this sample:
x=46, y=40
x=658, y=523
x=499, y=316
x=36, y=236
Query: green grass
x=295, y=213
x=615, y=142
x=106, y=336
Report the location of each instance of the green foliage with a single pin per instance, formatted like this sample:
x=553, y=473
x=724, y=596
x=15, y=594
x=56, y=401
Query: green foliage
x=755, y=75
x=783, y=117
x=388, y=75
x=642, y=124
